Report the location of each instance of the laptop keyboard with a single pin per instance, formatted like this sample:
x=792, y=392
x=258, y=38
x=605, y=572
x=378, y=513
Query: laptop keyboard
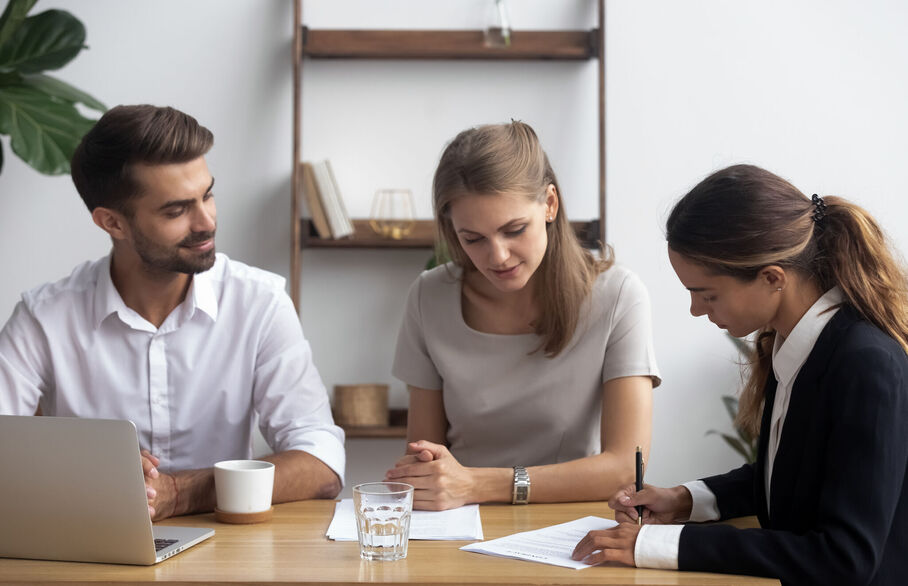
x=160, y=544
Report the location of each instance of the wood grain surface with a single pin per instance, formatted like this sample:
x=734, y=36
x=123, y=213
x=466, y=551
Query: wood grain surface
x=292, y=548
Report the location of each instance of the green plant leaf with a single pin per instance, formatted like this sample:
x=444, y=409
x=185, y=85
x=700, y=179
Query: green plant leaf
x=62, y=90
x=10, y=78
x=734, y=443
x=48, y=40
x=43, y=131
x=13, y=16
x=731, y=405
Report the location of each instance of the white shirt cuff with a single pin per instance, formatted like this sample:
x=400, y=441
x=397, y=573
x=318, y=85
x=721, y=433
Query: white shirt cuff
x=705, y=508
x=657, y=547
x=326, y=447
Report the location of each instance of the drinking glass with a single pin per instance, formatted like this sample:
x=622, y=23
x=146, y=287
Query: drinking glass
x=382, y=512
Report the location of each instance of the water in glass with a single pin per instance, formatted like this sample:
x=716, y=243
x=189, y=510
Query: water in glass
x=383, y=532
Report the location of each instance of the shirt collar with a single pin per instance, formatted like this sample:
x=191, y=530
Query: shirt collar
x=202, y=294
x=789, y=354
x=108, y=300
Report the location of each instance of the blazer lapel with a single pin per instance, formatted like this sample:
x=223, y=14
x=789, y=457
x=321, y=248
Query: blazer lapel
x=769, y=395
x=803, y=408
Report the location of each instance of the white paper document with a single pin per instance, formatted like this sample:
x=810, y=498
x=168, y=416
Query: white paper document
x=459, y=524
x=550, y=545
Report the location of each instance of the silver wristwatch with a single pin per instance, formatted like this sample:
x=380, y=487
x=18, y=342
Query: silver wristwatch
x=521, y=494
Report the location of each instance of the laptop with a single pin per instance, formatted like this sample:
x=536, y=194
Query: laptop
x=73, y=489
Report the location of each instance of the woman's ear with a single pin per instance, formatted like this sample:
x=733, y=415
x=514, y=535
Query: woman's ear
x=774, y=276
x=551, y=202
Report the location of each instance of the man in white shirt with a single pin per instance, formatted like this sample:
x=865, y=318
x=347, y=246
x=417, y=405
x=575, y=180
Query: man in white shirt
x=188, y=344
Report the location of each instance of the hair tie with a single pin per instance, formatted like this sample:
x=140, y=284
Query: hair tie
x=819, y=211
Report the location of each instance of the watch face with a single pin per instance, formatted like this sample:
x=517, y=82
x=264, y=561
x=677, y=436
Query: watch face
x=521, y=493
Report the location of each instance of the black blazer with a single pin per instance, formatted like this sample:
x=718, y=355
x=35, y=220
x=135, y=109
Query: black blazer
x=839, y=510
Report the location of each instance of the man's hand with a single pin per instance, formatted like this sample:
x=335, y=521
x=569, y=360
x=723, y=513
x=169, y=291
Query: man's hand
x=439, y=479
x=610, y=545
x=159, y=487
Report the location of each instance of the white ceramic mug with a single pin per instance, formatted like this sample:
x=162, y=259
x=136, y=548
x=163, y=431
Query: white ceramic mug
x=244, y=486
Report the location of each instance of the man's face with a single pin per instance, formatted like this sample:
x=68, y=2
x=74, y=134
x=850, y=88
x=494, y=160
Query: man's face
x=174, y=218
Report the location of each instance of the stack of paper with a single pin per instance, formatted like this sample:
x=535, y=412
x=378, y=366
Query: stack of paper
x=551, y=545
x=461, y=524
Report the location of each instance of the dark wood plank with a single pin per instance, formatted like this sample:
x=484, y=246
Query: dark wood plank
x=446, y=44
x=296, y=237
x=374, y=431
x=600, y=53
x=422, y=236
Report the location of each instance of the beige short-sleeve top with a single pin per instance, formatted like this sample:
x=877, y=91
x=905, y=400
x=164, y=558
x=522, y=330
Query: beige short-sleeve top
x=505, y=404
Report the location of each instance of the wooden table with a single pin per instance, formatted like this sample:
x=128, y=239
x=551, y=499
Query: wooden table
x=292, y=548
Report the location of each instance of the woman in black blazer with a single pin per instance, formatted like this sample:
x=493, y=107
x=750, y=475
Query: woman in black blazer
x=827, y=392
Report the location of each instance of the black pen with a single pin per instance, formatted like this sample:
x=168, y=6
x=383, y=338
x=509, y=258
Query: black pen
x=639, y=483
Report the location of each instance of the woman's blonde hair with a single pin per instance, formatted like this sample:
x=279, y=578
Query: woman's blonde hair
x=744, y=218
x=507, y=158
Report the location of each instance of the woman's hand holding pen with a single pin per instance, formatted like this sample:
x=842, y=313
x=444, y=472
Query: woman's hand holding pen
x=440, y=481
x=661, y=505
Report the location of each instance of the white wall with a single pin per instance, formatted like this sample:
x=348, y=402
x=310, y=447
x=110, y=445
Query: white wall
x=814, y=90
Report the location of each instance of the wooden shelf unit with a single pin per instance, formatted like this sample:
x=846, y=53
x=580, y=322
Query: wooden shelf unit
x=422, y=45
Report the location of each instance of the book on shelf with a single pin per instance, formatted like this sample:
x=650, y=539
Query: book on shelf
x=339, y=199
x=313, y=202
x=331, y=200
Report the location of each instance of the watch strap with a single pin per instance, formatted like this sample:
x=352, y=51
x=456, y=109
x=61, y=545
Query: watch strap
x=521, y=493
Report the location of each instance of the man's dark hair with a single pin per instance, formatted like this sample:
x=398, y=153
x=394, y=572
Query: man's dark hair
x=127, y=135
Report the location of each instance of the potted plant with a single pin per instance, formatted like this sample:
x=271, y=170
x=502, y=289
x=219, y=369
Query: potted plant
x=743, y=442
x=38, y=112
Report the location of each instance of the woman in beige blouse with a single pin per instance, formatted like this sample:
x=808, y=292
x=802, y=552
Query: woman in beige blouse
x=529, y=362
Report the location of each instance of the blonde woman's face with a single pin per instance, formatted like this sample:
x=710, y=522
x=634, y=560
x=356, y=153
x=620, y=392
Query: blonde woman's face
x=504, y=235
x=740, y=307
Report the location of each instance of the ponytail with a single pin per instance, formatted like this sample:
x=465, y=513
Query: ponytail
x=743, y=218
x=856, y=256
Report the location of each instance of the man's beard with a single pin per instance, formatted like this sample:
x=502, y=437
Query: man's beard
x=168, y=259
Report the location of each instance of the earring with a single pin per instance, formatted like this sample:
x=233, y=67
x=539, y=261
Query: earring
x=779, y=289
x=549, y=218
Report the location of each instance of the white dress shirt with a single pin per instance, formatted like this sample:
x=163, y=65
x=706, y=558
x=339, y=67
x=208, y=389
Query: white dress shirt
x=231, y=351
x=657, y=545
